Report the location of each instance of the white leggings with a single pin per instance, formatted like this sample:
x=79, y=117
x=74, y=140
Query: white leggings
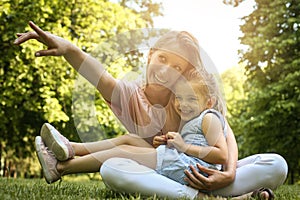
x=253, y=172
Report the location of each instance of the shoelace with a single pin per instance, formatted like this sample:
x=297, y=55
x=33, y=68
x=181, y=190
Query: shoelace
x=49, y=151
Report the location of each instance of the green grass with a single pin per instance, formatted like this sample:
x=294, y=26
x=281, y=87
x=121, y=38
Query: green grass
x=32, y=189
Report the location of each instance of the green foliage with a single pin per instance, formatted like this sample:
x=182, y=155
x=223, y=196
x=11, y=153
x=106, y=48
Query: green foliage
x=37, y=90
x=233, y=80
x=233, y=2
x=147, y=9
x=271, y=119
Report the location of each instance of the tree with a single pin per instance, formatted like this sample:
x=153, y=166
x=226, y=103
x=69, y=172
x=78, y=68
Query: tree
x=36, y=90
x=272, y=59
x=234, y=3
x=233, y=80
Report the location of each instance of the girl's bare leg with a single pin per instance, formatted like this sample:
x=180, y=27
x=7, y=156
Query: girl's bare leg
x=92, y=162
x=82, y=149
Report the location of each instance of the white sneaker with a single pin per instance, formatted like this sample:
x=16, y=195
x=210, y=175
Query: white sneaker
x=56, y=142
x=47, y=161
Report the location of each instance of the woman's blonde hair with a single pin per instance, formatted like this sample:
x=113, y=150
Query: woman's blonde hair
x=183, y=44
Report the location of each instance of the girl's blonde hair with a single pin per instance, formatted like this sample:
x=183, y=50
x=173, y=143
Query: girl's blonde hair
x=183, y=44
x=207, y=85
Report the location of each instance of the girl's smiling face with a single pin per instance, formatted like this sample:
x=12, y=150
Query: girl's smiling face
x=164, y=68
x=189, y=101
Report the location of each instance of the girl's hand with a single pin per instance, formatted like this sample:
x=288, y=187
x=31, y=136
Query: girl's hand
x=159, y=140
x=57, y=46
x=175, y=140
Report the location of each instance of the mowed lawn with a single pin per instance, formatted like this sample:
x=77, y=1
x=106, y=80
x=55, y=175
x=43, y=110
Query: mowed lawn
x=32, y=189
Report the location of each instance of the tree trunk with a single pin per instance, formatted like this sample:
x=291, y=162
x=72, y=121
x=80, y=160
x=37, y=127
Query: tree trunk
x=292, y=176
x=5, y=168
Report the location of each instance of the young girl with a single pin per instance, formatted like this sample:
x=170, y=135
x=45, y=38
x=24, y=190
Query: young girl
x=202, y=137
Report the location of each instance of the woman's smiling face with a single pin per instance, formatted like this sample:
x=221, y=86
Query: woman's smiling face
x=165, y=68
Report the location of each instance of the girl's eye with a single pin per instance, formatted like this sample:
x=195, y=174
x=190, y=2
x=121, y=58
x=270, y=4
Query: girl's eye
x=193, y=99
x=178, y=98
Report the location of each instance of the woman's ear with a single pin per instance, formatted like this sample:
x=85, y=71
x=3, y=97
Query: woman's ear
x=150, y=55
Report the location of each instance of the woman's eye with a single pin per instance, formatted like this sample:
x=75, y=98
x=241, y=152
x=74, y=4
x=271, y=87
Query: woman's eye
x=178, y=68
x=162, y=59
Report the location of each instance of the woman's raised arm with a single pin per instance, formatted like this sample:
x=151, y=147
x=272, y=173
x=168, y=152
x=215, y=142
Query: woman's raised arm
x=86, y=65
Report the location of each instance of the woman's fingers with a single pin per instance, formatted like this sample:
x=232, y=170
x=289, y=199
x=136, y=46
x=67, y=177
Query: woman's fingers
x=192, y=184
x=198, y=180
x=23, y=37
x=197, y=185
x=38, y=30
x=206, y=170
x=48, y=52
x=37, y=34
x=194, y=179
x=199, y=177
x=209, y=182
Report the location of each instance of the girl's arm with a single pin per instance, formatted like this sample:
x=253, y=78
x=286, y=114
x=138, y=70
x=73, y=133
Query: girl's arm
x=216, y=179
x=216, y=152
x=87, y=66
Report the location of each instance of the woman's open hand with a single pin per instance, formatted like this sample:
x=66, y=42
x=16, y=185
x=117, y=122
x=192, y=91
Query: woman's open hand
x=216, y=179
x=57, y=46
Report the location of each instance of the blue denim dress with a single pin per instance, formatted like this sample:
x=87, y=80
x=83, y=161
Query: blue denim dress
x=172, y=163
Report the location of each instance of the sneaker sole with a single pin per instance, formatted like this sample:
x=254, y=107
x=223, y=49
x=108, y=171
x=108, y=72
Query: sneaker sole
x=38, y=140
x=53, y=142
